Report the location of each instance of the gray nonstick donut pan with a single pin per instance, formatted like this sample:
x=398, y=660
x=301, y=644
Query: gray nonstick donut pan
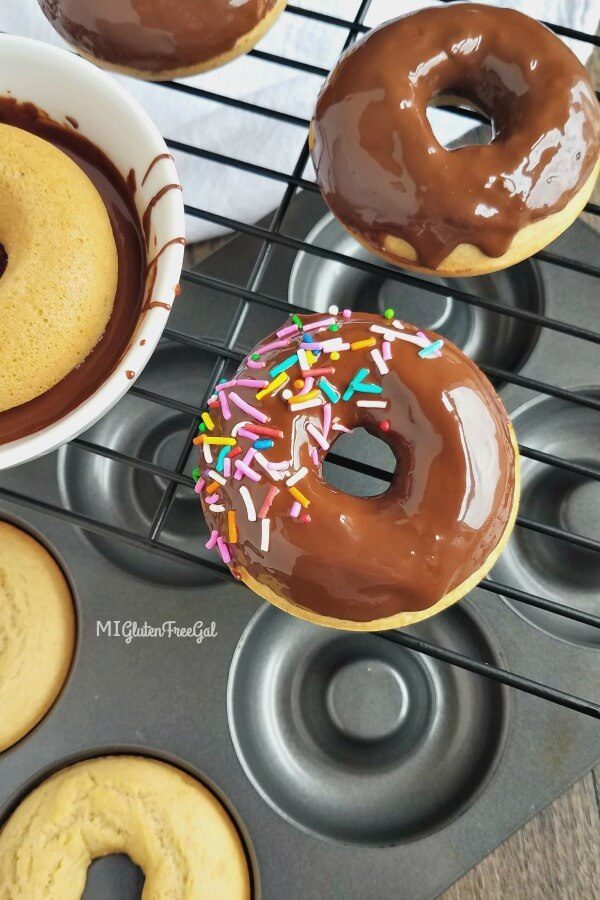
x=355, y=768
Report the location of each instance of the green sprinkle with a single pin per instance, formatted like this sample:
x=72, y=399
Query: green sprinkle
x=202, y=427
x=195, y=473
x=297, y=321
x=389, y=313
x=334, y=327
x=255, y=357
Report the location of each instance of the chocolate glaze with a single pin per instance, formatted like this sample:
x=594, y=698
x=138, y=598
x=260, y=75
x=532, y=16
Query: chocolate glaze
x=383, y=172
x=155, y=35
x=87, y=378
x=446, y=509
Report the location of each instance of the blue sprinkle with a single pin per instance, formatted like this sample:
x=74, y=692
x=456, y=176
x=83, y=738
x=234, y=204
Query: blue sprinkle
x=282, y=366
x=329, y=391
x=368, y=388
x=222, y=380
x=348, y=392
x=264, y=444
x=221, y=458
x=360, y=376
x=308, y=338
x=431, y=349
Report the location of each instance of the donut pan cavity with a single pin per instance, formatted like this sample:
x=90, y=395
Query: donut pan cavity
x=354, y=767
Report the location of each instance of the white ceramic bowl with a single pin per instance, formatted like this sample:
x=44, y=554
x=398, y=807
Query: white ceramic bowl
x=63, y=85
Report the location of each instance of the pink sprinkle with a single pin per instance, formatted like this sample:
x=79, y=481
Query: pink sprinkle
x=322, y=323
x=289, y=329
x=274, y=345
x=326, y=418
x=252, y=382
x=250, y=454
x=279, y=466
x=224, y=550
x=347, y=313
x=227, y=467
x=225, y=385
x=212, y=541
x=305, y=519
x=246, y=470
x=271, y=494
x=200, y=485
x=243, y=432
x=212, y=499
x=319, y=438
x=249, y=410
x=224, y=406
x=254, y=364
x=314, y=455
x=295, y=510
x=387, y=350
x=308, y=384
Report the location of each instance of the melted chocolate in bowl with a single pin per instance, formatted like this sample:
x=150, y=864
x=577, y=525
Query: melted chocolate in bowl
x=83, y=381
x=154, y=35
x=382, y=170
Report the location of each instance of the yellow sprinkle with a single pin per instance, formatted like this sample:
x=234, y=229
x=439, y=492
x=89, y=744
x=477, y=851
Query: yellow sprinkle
x=220, y=441
x=302, y=398
x=208, y=421
x=282, y=378
x=232, y=527
x=311, y=357
x=334, y=356
x=358, y=345
x=213, y=486
x=297, y=495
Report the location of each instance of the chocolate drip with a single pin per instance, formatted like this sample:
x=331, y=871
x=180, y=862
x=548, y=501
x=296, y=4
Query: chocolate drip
x=154, y=163
x=383, y=172
x=147, y=217
x=87, y=378
x=155, y=35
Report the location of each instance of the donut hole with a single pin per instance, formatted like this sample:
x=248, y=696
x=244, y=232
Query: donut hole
x=360, y=447
x=3, y=260
x=451, y=129
x=114, y=876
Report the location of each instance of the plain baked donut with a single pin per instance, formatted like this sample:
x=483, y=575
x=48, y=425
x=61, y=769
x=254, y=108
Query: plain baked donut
x=159, y=39
x=168, y=823
x=37, y=633
x=474, y=209
x=323, y=555
x=58, y=288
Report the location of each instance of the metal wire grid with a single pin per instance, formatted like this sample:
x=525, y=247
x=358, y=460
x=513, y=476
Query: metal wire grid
x=224, y=353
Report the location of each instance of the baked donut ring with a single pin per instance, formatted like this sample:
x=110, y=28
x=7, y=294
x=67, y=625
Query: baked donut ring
x=160, y=39
x=168, y=823
x=351, y=562
x=37, y=633
x=58, y=288
x=475, y=209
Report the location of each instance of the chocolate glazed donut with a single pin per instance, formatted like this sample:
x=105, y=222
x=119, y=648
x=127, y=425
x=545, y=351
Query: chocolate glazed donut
x=157, y=39
x=477, y=208
x=345, y=561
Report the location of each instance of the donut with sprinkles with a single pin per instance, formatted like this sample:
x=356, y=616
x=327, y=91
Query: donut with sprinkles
x=357, y=563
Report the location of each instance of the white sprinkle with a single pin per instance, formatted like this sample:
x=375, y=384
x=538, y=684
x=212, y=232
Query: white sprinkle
x=297, y=476
x=317, y=436
x=248, y=502
x=309, y=403
x=374, y=404
x=333, y=310
x=333, y=344
x=304, y=363
x=398, y=325
x=265, y=534
x=273, y=473
x=207, y=453
x=379, y=361
x=216, y=477
x=286, y=394
x=386, y=332
x=237, y=427
x=338, y=427
x=320, y=324
x=217, y=509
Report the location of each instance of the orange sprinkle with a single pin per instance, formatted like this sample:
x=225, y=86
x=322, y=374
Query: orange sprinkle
x=232, y=527
x=213, y=486
x=297, y=495
x=299, y=383
x=198, y=440
x=358, y=345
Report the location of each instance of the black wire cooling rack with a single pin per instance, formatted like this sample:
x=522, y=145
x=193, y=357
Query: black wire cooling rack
x=270, y=237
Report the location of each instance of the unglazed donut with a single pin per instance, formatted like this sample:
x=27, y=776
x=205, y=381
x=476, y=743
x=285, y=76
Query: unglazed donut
x=58, y=288
x=350, y=562
x=168, y=823
x=158, y=39
x=37, y=633
x=474, y=209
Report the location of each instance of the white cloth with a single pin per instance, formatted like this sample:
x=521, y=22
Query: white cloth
x=275, y=145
